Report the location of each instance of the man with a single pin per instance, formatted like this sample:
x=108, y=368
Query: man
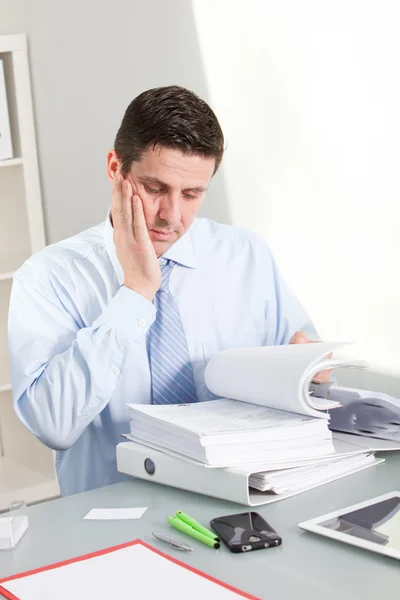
x=99, y=320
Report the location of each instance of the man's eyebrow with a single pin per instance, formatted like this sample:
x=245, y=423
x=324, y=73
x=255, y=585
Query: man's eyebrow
x=155, y=181
x=198, y=189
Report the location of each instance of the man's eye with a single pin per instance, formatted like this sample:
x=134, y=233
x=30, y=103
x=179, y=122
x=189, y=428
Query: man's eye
x=152, y=190
x=189, y=197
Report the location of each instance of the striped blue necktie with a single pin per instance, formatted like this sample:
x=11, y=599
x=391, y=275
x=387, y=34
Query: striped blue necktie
x=171, y=369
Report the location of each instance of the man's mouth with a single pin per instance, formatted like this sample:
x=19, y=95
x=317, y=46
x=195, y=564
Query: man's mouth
x=162, y=235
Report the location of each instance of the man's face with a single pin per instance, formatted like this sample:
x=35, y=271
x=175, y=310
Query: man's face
x=172, y=187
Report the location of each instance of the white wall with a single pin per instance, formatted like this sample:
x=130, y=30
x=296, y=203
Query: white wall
x=88, y=61
x=308, y=94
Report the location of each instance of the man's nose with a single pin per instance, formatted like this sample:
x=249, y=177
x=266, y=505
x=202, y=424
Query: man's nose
x=170, y=209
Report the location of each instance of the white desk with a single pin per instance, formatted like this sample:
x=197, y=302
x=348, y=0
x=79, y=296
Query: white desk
x=306, y=566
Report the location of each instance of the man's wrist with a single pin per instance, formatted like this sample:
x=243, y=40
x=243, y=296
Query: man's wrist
x=145, y=292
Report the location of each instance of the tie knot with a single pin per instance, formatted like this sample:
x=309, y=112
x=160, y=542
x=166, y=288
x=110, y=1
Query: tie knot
x=166, y=267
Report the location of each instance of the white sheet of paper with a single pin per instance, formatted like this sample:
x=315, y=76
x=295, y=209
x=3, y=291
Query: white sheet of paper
x=130, y=572
x=103, y=514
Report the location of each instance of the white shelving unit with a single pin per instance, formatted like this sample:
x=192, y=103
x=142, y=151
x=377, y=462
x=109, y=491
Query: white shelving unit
x=26, y=466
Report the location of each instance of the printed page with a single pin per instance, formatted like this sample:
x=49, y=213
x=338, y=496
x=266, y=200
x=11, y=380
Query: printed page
x=224, y=416
x=273, y=376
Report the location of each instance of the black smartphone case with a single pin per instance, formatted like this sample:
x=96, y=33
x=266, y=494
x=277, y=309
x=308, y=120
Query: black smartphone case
x=245, y=531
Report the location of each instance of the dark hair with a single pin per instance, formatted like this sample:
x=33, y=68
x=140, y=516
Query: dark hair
x=171, y=117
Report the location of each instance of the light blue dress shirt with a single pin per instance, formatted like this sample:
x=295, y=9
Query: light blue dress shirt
x=77, y=336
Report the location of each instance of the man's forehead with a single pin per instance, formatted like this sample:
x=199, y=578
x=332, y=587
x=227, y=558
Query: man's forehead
x=162, y=163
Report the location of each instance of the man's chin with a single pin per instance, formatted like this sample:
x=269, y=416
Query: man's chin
x=161, y=247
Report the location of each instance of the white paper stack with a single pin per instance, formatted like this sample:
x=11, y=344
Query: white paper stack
x=292, y=481
x=266, y=411
x=225, y=433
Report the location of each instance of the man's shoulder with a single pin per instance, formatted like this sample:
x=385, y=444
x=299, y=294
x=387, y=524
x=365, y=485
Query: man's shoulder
x=77, y=248
x=214, y=234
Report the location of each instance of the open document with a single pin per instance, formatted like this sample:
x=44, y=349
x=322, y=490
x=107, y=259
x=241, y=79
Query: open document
x=275, y=376
x=268, y=410
x=269, y=435
x=281, y=377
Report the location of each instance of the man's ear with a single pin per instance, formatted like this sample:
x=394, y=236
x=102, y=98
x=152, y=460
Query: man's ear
x=113, y=164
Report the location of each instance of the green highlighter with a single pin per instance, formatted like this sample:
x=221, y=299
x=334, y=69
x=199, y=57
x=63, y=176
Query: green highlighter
x=190, y=521
x=187, y=525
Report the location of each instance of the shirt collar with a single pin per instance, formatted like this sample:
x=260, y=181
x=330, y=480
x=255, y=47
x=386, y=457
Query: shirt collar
x=182, y=252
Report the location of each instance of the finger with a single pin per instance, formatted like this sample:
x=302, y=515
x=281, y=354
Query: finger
x=323, y=376
x=123, y=220
x=116, y=203
x=127, y=206
x=139, y=222
x=299, y=338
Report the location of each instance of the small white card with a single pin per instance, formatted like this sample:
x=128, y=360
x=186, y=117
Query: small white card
x=104, y=514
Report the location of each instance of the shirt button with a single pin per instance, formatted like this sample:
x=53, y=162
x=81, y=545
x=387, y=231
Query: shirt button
x=141, y=322
x=116, y=370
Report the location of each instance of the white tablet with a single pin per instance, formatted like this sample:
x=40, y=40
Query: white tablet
x=373, y=525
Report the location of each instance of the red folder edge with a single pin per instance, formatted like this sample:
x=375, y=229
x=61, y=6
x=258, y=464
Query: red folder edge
x=11, y=596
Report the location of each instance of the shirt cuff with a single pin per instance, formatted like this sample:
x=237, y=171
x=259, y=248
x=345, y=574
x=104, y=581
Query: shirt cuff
x=128, y=312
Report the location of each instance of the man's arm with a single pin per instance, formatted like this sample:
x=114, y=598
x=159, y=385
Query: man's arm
x=63, y=375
